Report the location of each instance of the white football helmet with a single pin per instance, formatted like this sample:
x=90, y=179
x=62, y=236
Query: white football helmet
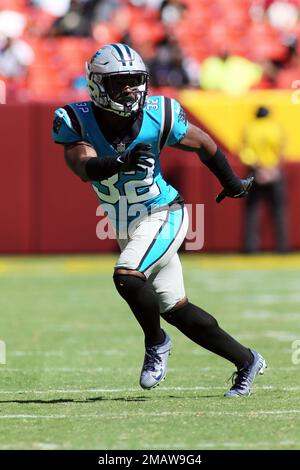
x=112, y=68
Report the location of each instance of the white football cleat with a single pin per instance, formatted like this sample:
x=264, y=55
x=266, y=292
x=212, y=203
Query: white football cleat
x=244, y=378
x=155, y=364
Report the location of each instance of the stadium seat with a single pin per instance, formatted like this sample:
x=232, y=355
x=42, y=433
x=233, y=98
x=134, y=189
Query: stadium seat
x=18, y=5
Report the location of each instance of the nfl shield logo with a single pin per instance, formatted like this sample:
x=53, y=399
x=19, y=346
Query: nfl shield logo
x=120, y=147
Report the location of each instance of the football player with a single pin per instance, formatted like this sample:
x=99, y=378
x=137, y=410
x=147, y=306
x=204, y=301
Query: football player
x=114, y=141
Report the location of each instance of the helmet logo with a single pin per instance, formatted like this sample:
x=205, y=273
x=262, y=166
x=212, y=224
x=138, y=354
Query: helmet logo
x=95, y=56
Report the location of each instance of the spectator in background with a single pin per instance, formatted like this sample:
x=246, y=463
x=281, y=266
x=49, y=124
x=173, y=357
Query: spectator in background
x=172, y=11
x=281, y=14
x=77, y=21
x=280, y=71
x=55, y=8
x=262, y=151
x=167, y=68
x=15, y=58
x=104, y=9
x=231, y=74
x=288, y=69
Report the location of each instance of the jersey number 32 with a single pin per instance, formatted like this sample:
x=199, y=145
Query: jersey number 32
x=135, y=190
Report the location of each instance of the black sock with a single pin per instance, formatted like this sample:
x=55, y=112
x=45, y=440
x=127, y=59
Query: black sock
x=203, y=329
x=143, y=301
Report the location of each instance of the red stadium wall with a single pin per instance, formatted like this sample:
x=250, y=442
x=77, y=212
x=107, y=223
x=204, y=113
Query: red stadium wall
x=46, y=209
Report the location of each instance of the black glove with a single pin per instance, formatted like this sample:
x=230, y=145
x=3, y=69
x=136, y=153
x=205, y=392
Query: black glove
x=246, y=185
x=137, y=158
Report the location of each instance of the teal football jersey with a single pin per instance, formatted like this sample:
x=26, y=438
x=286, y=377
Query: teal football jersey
x=127, y=195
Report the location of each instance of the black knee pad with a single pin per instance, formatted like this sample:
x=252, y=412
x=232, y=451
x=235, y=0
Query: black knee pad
x=128, y=285
x=190, y=315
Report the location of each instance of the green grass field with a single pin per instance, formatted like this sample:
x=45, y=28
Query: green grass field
x=74, y=353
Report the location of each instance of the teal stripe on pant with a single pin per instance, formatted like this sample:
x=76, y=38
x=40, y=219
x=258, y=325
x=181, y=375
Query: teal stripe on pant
x=165, y=237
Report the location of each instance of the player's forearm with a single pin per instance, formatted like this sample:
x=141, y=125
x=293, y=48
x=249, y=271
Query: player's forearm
x=219, y=166
x=95, y=169
x=83, y=161
x=216, y=161
x=138, y=158
x=90, y=168
x=98, y=169
x=209, y=153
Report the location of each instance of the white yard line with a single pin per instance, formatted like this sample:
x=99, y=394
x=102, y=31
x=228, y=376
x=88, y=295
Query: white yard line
x=282, y=336
x=220, y=445
x=114, y=352
x=109, y=369
x=46, y=446
x=36, y=353
x=248, y=414
x=263, y=314
x=127, y=370
x=139, y=390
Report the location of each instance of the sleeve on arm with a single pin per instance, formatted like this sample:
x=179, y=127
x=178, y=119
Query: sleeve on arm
x=63, y=131
x=179, y=123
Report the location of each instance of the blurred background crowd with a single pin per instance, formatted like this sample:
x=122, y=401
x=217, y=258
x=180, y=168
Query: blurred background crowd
x=212, y=45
